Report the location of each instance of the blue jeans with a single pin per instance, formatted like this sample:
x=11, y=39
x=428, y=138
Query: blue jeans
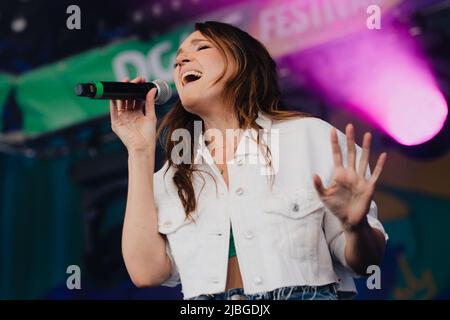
x=327, y=292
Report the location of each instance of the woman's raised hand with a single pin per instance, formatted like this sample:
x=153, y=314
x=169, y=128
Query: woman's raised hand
x=350, y=192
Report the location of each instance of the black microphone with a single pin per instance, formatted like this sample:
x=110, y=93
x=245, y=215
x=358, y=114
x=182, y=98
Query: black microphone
x=124, y=90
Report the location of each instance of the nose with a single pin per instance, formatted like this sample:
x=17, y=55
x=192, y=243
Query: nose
x=183, y=58
x=182, y=62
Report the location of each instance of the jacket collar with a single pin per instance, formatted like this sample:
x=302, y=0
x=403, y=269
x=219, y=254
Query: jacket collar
x=247, y=146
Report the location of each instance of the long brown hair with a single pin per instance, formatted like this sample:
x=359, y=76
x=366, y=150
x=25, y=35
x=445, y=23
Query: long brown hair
x=253, y=87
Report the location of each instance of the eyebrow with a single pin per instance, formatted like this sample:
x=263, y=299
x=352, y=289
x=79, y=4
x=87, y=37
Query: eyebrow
x=193, y=41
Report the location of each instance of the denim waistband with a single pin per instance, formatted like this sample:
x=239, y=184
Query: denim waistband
x=326, y=292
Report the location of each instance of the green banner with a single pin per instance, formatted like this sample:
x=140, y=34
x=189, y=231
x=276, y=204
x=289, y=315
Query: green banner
x=46, y=95
x=6, y=83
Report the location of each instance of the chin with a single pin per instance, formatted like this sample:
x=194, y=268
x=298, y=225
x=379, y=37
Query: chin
x=192, y=101
x=190, y=105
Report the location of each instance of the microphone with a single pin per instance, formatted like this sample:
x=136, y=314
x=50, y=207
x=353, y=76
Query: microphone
x=124, y=90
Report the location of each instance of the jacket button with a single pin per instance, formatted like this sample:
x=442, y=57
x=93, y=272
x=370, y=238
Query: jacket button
x=239, y=191
x=295, y=207
x=215, y=281
x=258, y=280
x=248, y=235
x=240, y=162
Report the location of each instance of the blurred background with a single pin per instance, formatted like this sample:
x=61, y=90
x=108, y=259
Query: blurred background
x=63, y=173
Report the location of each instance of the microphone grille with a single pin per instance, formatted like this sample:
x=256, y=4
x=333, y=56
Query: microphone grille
x=164, y=91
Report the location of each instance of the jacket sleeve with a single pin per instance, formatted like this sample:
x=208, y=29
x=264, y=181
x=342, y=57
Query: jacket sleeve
x=174, y=278
x=159, y=190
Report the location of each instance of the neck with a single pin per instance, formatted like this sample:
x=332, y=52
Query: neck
x=221, y=122
x=221, y=130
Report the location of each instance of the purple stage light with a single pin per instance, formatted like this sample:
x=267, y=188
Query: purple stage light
x=382, y=76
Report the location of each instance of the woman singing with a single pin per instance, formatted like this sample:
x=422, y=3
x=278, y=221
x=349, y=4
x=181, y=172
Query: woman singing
x=252, y=202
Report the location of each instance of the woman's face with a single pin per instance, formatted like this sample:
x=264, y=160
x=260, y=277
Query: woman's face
x=198, y=64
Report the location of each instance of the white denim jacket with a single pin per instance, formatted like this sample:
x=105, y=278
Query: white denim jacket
x=284, y=236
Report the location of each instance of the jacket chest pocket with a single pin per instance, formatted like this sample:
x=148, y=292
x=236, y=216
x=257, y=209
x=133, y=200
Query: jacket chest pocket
x=296, y=216
x=180, y=231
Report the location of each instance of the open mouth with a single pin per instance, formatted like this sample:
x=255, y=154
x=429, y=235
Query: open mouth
x=191, y=76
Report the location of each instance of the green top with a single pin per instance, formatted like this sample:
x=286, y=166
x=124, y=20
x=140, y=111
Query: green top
x=232, y=251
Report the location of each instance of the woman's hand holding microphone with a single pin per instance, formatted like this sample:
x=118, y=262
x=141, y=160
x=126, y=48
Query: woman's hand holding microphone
x=135, y=129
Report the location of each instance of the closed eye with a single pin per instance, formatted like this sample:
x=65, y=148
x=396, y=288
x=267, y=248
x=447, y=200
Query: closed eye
x=198, y=49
